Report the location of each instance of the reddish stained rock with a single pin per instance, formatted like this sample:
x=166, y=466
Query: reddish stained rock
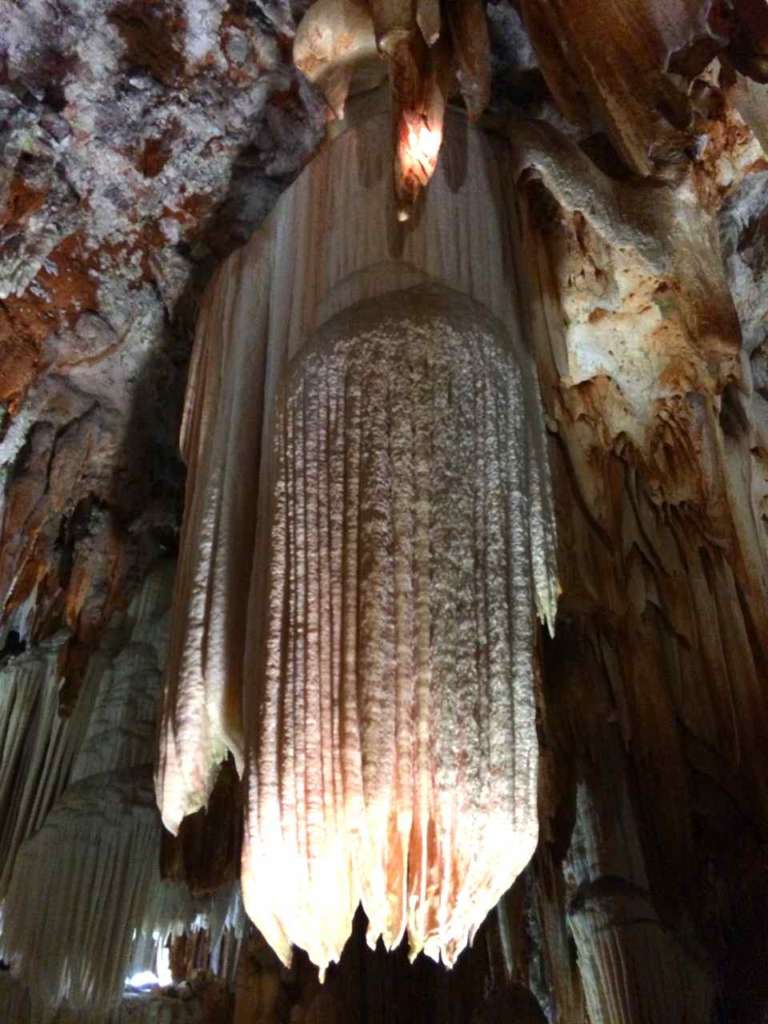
x=625, y=65
x=18, y=362
x=155, y=153
x=64, y=287
x=150, y=32
x=21, y=201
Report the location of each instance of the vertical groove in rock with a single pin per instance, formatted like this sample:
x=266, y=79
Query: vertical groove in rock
x=633, y=968
x=37, y=747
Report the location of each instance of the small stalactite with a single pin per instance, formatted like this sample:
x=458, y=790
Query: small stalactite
x=430, y=51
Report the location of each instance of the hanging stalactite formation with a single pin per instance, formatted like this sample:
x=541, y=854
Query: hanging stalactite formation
x=78, y=885
x=394, y=756
x=385, y=600
x=38, y=747
x=558, y=313
x=84, y=906
x=431, y=51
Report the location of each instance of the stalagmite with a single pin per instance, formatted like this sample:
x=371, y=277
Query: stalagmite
x=367, y=538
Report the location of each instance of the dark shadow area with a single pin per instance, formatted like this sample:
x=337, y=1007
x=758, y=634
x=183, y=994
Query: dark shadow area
x=147, y=488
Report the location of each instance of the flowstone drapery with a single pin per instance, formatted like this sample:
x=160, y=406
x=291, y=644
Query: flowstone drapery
x=368, y=533
x=394, y=749
x=83, y=902
x=37, y=747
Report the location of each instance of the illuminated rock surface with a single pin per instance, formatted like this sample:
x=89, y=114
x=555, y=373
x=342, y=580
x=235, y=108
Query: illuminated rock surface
x=395, y=752
x=376, y=629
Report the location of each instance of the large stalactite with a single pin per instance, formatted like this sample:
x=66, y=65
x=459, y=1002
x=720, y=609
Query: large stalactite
x=395, y=755
x=386, y=612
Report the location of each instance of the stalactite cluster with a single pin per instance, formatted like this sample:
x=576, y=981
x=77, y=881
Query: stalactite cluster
x=95, y=855
x=264, y=304
x=97, y=847
x=431, y=50
x=84, y=906
x=661, y=510
x=38, y=747
x=626, y=69
x=359, y=707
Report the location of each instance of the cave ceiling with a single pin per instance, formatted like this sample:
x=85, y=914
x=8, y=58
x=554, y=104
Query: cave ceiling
x=141, y=142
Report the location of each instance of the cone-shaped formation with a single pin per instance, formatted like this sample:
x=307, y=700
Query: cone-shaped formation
x=395, y=754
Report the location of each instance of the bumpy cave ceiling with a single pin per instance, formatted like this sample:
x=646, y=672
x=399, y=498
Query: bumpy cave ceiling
x=142, y=143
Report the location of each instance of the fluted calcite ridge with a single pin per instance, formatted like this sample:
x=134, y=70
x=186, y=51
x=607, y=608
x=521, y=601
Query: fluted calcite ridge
x=37, y=747
x=82, y=892
x=70, y=927
x=395, y=755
